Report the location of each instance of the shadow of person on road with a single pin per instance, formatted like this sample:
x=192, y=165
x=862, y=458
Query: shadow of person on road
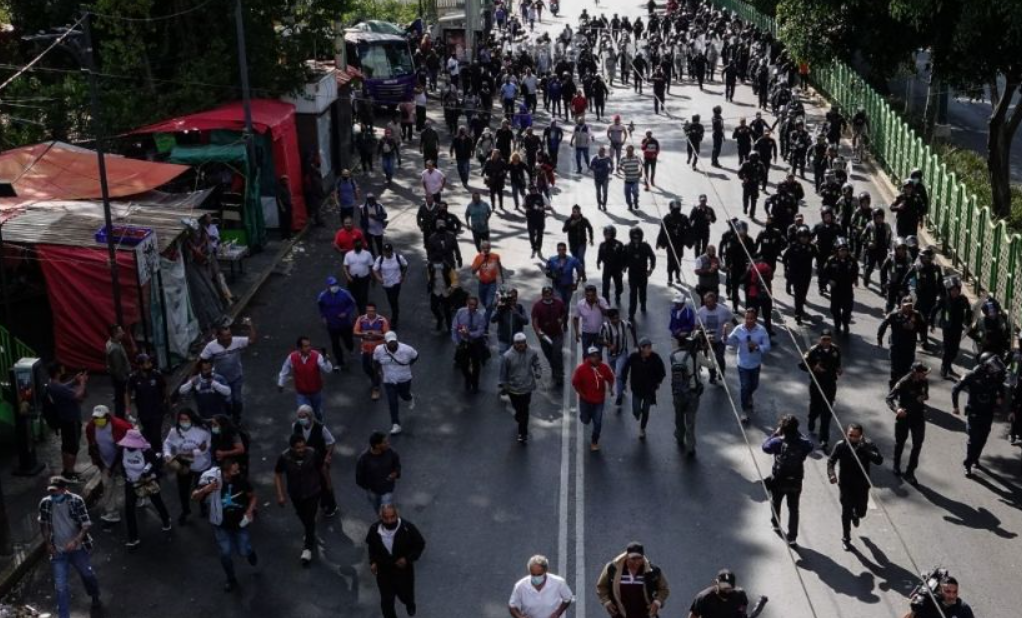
x=836, y=577
x=964, y=515
x=892, y=576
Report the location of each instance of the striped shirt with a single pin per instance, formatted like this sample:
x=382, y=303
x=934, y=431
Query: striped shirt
x=615, y=336
x=631, y=167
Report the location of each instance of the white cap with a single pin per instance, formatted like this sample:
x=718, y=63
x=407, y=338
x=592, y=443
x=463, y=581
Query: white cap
x=679, y=299
x=390, y=336
x=519, y=337
x=100, y=411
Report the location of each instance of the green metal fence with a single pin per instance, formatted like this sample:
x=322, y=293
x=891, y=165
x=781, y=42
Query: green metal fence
x=986, y=252
x=11, y=349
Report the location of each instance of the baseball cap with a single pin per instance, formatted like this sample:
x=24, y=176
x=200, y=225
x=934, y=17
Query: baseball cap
x=100, y=411
x=519, y=337
x=726, y=579
x=390, y=336
x=331, y=280
x=58, y=482
x=920, y=367
x=826, y=333
x=635, y=549
x=645, y=341
x=593, y=350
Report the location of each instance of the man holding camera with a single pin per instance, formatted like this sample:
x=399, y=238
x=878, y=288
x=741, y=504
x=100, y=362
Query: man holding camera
x=924, y=604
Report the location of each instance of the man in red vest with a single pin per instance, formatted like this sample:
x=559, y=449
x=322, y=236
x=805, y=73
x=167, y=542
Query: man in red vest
x=307, y=367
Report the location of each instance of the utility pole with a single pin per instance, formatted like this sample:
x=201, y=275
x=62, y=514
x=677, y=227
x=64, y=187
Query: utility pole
x=246, y=93
x=88, y=61
x=471, y=25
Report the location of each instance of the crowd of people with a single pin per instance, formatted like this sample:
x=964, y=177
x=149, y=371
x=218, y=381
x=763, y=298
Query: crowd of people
x=565, y=79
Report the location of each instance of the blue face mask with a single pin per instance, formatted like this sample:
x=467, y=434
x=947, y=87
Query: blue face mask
x=538, y=580
x=58, y=498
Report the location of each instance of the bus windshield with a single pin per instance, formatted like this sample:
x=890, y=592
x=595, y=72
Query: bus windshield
x=385, y=60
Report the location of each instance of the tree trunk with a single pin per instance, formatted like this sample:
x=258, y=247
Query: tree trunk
x=932, y=101
x=1002, y=126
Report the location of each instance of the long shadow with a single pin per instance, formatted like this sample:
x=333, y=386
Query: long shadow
x=837, y=577
x=948, y=422
x=964, y=515
x=892, y=576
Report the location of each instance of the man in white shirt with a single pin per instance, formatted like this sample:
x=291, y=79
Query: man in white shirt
x=389, y=270
x=588, y=319
x=433, y=182
x=716, y=319
x=225, y=352
x=394, y=360
x=358, y=267
x=541, y=594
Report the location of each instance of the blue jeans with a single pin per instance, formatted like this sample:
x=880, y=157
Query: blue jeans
x=591, y=412
x=387, y=162
x=378, y=500
x=589, y=339
x=564, y=292
x=62, y=564
x=464, y=168
x=617, y=365
x=632, y=194
x=231, y=541
x=487, y=291
x=237, y=402
x=749, y=381
x=369, y=370
x=314, y=401
x=581, y=156
x=579, y=253
x=601, y=191
x=400, y=389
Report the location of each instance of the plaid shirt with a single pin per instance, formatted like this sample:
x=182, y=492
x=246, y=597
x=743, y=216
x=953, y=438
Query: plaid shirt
x=79, y=512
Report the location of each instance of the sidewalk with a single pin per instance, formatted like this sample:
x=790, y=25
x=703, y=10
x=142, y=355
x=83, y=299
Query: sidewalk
x=22, y=494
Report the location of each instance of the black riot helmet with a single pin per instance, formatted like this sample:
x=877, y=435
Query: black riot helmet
x=635, y=233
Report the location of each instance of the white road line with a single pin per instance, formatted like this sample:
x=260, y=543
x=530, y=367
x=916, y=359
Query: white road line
x=581, y=589
x=562, y=520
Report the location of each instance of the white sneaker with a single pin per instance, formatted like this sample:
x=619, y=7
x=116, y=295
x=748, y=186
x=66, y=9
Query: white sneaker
x=411, y=403
x=111, y=518
x=306, y=556
x=396, y=429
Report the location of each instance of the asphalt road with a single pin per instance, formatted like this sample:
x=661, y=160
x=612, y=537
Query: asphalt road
x=485, y=503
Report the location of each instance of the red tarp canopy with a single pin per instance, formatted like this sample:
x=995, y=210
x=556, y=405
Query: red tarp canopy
x=271, y=115
x=59, y=171
x=78, y=278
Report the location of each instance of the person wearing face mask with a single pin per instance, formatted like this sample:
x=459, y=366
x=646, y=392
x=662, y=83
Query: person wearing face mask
x=321, y=441
x=304, y=486
x=186, y=452
x=540, y=594
x=630, y=586
x=853, y=456
x=64, y=524
x=102, y=434
x=394, y=545
x=337, y=310
x=141, y=480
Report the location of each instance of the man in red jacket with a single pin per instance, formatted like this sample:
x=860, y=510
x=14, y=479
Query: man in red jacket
x=307, y=367
x=593, y=381
x=103, y=432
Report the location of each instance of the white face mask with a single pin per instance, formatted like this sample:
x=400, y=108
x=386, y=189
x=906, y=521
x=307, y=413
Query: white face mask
x=335, y=289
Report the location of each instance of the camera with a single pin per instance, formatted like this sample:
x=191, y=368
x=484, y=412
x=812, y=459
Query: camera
x=928, y=593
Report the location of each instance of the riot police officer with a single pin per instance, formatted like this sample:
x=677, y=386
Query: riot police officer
x=770, y=242
x=927, y=281
x=905, y=324
x=735, y=249
x=825, y=234
x=610, y=258
x=842, y=273
x=717, y=132
x=819, y=156
x=985, y=384
x=992, y=332
x=640, y=262
x=953, y=314
x=700, y=218
x=876, y=242
x=798, y=269
x=894, y=273
x=823, y=362
x=673, y=230
x=799, y=143
x=782, y=207
x=910, y=210
x=752, y=173
x=907, y=400
x=861, y=218
x=845, y=208
x=830, y=192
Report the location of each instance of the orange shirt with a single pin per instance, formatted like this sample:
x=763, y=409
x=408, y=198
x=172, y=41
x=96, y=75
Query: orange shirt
x=371, y=331
x=486, y=267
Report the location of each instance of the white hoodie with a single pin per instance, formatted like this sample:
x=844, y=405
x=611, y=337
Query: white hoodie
x=187, y=443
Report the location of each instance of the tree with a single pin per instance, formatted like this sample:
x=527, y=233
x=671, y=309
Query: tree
x=976, y=45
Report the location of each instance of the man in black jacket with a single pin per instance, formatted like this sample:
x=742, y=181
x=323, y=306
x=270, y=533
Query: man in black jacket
x=853, y=455
x=647, y=372
x=394, y=545
x=610, y=258
x=673, y=231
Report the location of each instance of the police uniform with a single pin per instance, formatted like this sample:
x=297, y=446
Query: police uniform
x=825, y=234
x=824, y=363
x=911, y=395
x=986, y=392
x=894, y=278
x=672, y=238
x=843, y=275
x=854, y=462
x=905, y=330
x=952, y=314
x=798, y=268
x=639, y=260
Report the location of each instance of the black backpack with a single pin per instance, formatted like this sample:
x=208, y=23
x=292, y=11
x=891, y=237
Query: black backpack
x=789, y=464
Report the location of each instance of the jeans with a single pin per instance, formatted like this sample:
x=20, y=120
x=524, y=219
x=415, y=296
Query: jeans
x=581, y=156
x=617, y=365
x=378, y=500
x=601, y=191
x=554, y=355
x=369, y=370
x=61, y=565
x=387, y=162
x=237, y=403
x=640, y=408
x=564, y=292
x=111, y=482
x=591, y=412
x=464, y=169
x=394, y=391
x=749, y=381
x=590, y=339
x=487, y=291
x=579, y=253
x=313, y=400
x=393, y=294
x=231, y=541
x=615, y=149
x=632, y=194
x=520, y=404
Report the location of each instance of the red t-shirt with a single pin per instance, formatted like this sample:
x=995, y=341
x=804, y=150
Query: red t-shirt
x=345, y=240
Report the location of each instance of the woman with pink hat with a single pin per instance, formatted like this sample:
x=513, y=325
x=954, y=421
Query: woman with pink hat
x=140, y=465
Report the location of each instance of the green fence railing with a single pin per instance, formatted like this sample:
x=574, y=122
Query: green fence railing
x=986, y=251
x=11, y=349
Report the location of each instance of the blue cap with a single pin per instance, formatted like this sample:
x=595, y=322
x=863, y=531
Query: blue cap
x=331, y=281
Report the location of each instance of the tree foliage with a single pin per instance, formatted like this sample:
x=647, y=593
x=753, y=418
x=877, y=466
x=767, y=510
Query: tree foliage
x=151, y=68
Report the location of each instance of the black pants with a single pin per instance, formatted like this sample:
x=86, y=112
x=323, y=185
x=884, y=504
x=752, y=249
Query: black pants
x=307, y=509
x=395, y=583
x=952, y=343
x=131, y=508
x=185, y=484
x=750, y=195
x=441, y=309
x=393, y=294
x=359, y=288
x=618, y=279
x=978, y=428
x=693, y=152
x=841, y=304
x=798, y=162
x=337, y=336
x=854, y=503
x=497, y=195
x=743, y=153
x=536, y=235
x=792, y=492
x=765, y=306
x=520, y=403
x=152, y=428
x=800, y=287
x=702, y=238
x=901, y=361
x=472, y=364
x=729, y=91
x=718, y=143
x=734, y=286
x=120, y=388
x=673, y=265
x=636, y=292
x=873, y=261
x=914, y=423
x=818, y=404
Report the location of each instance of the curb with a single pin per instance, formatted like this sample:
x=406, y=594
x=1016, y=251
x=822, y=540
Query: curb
x=34, y=551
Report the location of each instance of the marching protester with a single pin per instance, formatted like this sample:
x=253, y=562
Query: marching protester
x=852, y=457
x=394, y=545
x=307, y=368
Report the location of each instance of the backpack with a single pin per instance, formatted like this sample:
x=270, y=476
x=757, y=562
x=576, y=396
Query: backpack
x=789, y=463
x=685, y=374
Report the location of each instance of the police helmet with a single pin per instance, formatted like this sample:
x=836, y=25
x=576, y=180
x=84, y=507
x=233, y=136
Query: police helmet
x=916, y=174
x=717, y=109
x=927, y=253
x=754, y=156
x=803, y=231
x=847, y=187
x=865, y=196
x=991, y=362
x=841, y=243
x=610, y=231
x=912, y=242
x=952, y=281
x=826, y=210
x=675, y=204
x=991, y=306
x=635, y=233
x=900, y=242
x=695, y=118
